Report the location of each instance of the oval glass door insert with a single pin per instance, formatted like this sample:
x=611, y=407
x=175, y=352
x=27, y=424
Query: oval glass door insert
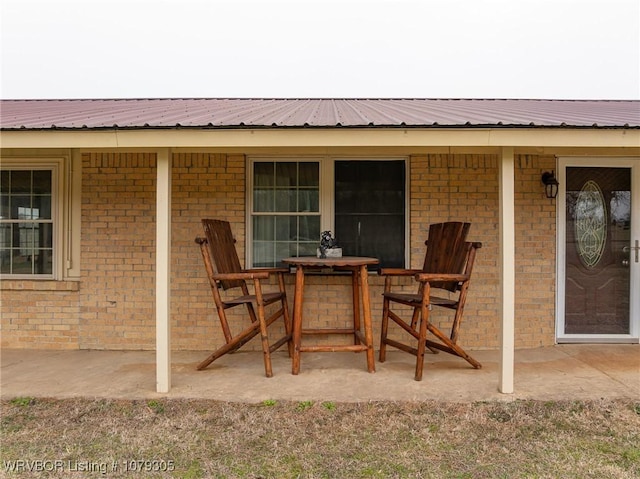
x=591, y=224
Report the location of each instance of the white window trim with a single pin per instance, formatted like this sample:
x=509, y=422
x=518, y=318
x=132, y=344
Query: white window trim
x=65, y=214
x=327, y=192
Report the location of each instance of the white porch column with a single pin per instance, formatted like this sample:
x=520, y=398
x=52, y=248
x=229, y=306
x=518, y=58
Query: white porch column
x=163, y=271
x=507, y=270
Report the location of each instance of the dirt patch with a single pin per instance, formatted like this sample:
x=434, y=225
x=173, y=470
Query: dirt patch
x=274, y=439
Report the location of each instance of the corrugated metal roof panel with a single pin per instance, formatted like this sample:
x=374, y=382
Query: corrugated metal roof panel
x=269, y=113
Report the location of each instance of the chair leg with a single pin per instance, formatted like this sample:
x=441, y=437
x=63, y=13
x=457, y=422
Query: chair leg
x=263, y=330
x=384, y=331
x=432, y=349
x=231, y=346
x=451, y=347
x=287, y=327
x=265, y=347
x=422, y=341
x=285, y=315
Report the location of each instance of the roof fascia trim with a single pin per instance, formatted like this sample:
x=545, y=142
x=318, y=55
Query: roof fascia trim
x=262, y=138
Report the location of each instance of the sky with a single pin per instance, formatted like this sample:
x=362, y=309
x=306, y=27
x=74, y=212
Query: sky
x=549, y=49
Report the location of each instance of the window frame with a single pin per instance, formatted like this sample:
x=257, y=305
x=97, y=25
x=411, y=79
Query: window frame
x=65, y=214
x=327, y=193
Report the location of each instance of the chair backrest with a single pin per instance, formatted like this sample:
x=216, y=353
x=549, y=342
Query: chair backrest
x=447, y=251
x=222, y=250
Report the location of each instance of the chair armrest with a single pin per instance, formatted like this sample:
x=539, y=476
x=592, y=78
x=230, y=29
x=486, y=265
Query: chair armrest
x=440, y=277
x=397, y=272
x=243, y=275
x=268, y=270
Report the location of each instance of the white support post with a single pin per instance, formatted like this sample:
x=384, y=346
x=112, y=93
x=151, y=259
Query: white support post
x=163, y=272
x=507, y=270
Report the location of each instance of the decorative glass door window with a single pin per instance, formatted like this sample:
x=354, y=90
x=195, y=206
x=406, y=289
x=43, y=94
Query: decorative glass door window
x=597, y=268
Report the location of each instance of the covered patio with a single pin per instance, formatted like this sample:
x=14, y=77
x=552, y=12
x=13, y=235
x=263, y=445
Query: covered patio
x=563, y=372
x=170, y=163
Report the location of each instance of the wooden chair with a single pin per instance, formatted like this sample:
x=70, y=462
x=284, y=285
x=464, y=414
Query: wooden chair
x=447, y=269
x=224, y=272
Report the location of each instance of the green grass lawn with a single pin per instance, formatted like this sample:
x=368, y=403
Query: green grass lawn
x=202, y=439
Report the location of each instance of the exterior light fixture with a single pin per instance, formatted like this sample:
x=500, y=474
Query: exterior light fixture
x=550, y=184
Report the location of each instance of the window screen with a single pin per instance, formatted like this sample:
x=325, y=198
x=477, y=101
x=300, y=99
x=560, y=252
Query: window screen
x=370, y=209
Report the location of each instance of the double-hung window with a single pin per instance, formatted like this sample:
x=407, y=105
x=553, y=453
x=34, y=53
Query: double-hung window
x=363, y=201
x=39, y=218
x=285, y=218
x=27, y=207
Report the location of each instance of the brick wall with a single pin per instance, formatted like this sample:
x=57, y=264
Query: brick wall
x=465, y=188
x=118, y=251
x=203, y=186
x=461, y=188
x=535, y=254
x=40, y=314
x=443, y=188
x=115, y=305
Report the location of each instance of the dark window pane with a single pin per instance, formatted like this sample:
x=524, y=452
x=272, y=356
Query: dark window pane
x=286, y=228
x=21, y=263
x=43, y=261
x=370, y=186
x=5, y=211
x=42, y=182
x=309, y=174
x=5, y=185
x=286, y=174
x=381, y=237
x=21, y=182
x=309, y=230
x=5, y=247
x=370, y=209
x=286, y=200
x=263, y=228
x=21, y=207
x=5, y=261
x=263, y=200
x=45, y=235
x=309, y=200
x=41, y=208
x=263, y=174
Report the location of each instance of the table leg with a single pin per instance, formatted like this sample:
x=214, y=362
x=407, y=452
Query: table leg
x=355, y=289
x=297, y=319
x=366, y=313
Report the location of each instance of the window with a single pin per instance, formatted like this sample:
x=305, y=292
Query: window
x=291, y=201
x=40, y=218
x=26, y=222
x=370, y=209
x=286, y=210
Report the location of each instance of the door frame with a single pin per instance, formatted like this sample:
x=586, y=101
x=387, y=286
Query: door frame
x=634, y=299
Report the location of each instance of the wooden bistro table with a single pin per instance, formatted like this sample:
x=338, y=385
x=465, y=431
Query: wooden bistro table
x=360, y=285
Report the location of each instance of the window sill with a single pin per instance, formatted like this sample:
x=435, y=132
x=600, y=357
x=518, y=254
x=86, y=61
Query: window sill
x=42, y=285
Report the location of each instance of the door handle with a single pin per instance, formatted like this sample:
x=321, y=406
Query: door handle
x=635, y=248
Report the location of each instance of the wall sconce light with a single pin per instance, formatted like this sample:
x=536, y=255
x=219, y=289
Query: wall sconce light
x=550, y=184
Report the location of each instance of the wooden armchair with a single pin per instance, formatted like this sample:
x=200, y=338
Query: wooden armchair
x=447, y=269
x=224, y=272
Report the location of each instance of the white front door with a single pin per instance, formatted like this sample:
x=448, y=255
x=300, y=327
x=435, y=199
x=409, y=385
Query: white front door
x=599, y=250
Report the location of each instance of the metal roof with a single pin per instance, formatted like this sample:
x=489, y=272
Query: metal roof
x=327, y=113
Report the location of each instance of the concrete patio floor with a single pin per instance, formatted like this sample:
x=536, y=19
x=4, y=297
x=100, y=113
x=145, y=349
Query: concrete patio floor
x=567, y=371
